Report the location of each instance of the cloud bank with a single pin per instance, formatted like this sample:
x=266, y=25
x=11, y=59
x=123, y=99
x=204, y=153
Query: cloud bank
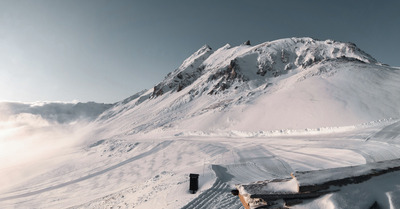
x=37, y=132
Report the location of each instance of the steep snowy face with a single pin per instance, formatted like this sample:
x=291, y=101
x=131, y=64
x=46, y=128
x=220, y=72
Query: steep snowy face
x=254, y=64
x=188, y=72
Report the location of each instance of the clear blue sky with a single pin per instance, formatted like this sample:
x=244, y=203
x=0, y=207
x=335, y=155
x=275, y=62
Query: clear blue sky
x=105, y=51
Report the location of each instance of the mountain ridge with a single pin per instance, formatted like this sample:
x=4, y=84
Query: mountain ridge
x=231, y=87
x=274, y=58
x=55, y=112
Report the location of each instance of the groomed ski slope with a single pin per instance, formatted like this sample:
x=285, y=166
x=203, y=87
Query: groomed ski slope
x=154, y=173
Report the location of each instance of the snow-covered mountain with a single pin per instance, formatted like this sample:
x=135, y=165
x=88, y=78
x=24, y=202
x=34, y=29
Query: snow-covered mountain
x=293, y=83
x=233, y=115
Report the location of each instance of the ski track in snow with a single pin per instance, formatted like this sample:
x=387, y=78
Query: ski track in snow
x=255, y=163
x=217, y=197
x=157, y=148
x=388, y=133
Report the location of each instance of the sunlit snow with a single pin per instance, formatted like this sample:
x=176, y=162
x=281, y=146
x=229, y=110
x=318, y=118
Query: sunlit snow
x=233, y=115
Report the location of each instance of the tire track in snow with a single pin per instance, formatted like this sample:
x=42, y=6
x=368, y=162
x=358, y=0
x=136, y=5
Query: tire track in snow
x=218, y=196
x=255, y=161
x=258, y=163
x=386, y=134
x=157, y=148
x=376, y=151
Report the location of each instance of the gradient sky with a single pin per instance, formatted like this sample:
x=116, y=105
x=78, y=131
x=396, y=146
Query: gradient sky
x=105, y=51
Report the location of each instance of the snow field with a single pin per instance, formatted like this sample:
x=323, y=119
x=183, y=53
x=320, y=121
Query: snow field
x=121, y=177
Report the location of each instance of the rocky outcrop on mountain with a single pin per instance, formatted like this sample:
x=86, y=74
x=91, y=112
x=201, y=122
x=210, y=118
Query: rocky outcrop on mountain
x=189, y=71
x=231, y=66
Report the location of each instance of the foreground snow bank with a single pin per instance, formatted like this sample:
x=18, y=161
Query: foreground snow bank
x=308, y=185
x=382, y=189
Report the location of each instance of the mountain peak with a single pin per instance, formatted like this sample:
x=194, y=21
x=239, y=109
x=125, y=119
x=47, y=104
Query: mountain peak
x=261, y=62
x=247, y=43
x=205, y=47
x=185, y=74
x=291, y=83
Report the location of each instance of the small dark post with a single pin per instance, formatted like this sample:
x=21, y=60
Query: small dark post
x=194, y=182
x=235, y=192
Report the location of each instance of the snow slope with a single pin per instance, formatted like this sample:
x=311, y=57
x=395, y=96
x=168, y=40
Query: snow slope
x=233, y=115
x=144, y=173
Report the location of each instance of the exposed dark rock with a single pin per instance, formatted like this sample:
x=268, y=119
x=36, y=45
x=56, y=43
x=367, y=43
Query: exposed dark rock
x=235, y=192
x=157, y=91
x=224, y=86
x=179, y=76
x=284, y=56
x=261, y=72
x=375, y=206
x=232, y=64
x=180, y=87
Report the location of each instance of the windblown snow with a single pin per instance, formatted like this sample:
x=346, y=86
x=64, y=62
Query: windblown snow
x=237, y=114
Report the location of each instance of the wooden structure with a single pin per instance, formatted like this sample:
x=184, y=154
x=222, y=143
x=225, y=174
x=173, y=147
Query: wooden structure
x=282, y=193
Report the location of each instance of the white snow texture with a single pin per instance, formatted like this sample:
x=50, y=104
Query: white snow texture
x=233, y=115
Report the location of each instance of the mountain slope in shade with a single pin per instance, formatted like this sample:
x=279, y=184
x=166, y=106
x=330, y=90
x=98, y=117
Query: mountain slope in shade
x=293, y=83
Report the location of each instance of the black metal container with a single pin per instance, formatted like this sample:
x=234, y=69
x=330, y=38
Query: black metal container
x=194, y=183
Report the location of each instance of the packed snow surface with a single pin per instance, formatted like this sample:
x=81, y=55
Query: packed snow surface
x=233, y=115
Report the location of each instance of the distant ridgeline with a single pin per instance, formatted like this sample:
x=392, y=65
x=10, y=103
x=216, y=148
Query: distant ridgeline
x=56, y=112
